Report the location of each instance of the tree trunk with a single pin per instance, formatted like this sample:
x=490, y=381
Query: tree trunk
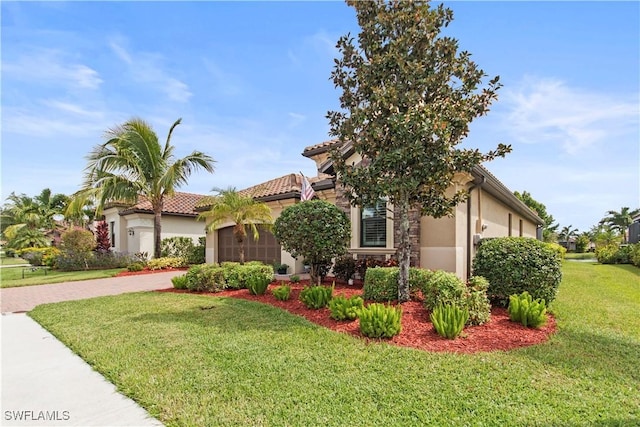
x=241, y=250
x=157, y=229
x=404, y=249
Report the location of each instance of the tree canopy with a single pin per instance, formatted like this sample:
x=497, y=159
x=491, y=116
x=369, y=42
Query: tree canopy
x=315, y=230
x=549, y=229
x=408, y=97
x=132, y=163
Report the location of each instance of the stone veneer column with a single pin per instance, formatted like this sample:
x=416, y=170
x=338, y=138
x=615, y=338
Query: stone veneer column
x=414, y=234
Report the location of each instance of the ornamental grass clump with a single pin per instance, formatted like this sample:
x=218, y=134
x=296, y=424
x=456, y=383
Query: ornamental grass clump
x=316, y=297
x=343, y=308
x=282, y=293
x=524, y=309
x=380, y=321
x=449, y=320
x=257, y=284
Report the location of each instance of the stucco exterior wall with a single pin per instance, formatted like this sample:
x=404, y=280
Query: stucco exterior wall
x=134, y=232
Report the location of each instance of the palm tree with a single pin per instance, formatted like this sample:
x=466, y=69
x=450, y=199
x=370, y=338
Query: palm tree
x=132, y=163
x=244, y=211
x=566, y=233
x=26, y=221
x=620, y=221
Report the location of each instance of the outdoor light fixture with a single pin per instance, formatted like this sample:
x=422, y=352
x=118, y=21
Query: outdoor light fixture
x=131, y=232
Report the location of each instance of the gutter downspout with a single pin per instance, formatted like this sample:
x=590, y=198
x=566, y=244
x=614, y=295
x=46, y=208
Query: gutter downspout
x=483, y=179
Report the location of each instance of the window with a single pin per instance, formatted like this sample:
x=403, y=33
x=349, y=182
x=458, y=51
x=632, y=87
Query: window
x=510, y=225
x=373, y=225
x=521, y=228
x=112, y=229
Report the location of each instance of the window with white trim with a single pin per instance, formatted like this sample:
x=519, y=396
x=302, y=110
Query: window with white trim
x=373, y=225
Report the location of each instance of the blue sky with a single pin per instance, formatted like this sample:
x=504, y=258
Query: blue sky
x=251, y=83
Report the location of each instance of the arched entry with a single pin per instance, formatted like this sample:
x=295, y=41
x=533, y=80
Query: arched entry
x=265, y=249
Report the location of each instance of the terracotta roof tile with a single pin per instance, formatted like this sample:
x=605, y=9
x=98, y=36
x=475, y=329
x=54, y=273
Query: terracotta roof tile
x=178, y=204
x=321, y=147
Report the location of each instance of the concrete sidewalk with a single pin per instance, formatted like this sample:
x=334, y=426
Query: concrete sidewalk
x=46, y=384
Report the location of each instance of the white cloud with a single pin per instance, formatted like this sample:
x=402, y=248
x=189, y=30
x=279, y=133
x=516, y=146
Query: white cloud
x=51, y=67
x=549, y=110
x=148, y=68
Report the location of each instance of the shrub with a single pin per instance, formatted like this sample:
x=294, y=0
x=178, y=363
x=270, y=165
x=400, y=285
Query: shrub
x=418, y=280
x=179, y=282
x=103, y=244
x=343, y=308
x=205, y=278
x=362, y=264
x=476, y=301
x=39, y=256
x=524, y=309
x=76, y=261
x=166, y=262
x=614, y=254
x=316, y=230
x=560, y=250
x=449, y=320
x=77, y=240
x=443, y=288
x=316, y=297
x=257, y=283
x=635, y=254
x=381, y=284
x=294, y=279
x=516, y=264
x=380, y=321
x=344, y=268
x=135, y=266
x=282, y=293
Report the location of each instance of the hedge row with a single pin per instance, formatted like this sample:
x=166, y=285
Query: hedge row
x=218, y=277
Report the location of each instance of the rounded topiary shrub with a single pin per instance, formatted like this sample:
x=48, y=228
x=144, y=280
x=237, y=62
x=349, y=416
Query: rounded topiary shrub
x=513, y=265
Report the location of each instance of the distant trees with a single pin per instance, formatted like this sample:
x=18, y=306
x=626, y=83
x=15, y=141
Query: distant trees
x=620, y=221
x=549, y=229
x=29, y=221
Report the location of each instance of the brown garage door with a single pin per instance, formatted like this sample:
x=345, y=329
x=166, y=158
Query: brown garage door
x=265, y=249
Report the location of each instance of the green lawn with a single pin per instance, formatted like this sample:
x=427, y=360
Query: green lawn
x=580, y=256
x=197, y=360
x=12, y=261
x=11, y=277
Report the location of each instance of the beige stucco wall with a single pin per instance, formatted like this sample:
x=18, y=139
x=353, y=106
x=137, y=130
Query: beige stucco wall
x=141, y=225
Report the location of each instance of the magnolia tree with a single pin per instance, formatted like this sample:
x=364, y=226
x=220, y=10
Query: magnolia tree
x=408, y=97
x=315, y=230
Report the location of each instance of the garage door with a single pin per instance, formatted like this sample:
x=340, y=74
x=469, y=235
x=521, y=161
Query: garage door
x=265, y=249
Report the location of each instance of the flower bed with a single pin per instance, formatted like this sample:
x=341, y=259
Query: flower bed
x=417, y=331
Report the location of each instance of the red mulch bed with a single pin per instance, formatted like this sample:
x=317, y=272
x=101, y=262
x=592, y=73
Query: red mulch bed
x=417, y=331
x=147, y=271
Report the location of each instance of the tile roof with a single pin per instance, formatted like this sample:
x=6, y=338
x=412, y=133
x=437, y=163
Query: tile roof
x=183, y=204
x=319, y=148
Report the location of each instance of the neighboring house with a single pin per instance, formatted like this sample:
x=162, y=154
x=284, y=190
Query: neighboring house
x=634, y=230
x=569, y=245
x=446, y=243
x=131, y=227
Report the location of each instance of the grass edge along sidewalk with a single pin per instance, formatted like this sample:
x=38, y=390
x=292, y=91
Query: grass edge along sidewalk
x=197, y=360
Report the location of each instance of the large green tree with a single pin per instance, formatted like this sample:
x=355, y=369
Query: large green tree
x=243, y=210
x=133, y=163
x=620, y=221
x=549, y=229
x=26, y=221
x=408, y=97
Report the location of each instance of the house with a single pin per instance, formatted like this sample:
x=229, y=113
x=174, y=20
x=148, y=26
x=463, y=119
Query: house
x=131, y=227
x=445, y=243
x=634, y=230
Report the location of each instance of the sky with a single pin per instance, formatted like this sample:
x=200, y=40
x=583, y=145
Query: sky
x=251, y=82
